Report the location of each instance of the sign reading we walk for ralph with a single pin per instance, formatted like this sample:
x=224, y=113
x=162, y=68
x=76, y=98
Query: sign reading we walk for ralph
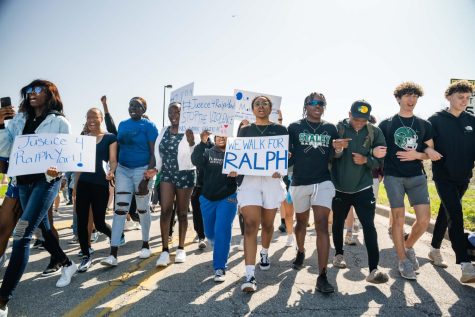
x=258, y=156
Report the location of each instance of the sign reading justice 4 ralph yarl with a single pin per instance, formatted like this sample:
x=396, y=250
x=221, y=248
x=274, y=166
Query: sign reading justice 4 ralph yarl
x=35, y=153
x=259, y=156
x=212, y=113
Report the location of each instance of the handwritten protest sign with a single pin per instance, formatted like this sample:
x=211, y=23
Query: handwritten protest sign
x=35, y=153
x=212, y=113
x=182, y=93
x=243, y=101
x=259, y=156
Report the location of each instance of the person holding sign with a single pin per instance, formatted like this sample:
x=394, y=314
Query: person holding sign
x=312, y=142
x=92, y=189
x=218, y=200
x=177, y=180
x=259, y=196
x=41, y=111
x=134, y=176
x=353, y=180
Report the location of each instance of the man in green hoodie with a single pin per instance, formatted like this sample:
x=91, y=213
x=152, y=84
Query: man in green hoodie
x=352, y=177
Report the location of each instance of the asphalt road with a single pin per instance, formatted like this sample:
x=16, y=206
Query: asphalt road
x=137, y=288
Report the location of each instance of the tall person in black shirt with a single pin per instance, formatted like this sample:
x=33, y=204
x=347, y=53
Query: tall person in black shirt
x=312, y=142
x=409, y=142
x=454, y=138
x=259, y=196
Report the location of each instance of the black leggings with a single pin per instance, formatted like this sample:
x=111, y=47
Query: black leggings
x=365, y=207
x=96, y=197
x=451, y=216
x=197, y=217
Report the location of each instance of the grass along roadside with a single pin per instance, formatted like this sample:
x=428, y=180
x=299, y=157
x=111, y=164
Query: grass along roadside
x=468, y=204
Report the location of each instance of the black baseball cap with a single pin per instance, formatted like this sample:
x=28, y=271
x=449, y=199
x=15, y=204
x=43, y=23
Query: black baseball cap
x=361, y=109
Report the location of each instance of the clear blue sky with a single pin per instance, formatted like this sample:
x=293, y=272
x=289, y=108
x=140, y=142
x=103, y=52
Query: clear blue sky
x=347, y=50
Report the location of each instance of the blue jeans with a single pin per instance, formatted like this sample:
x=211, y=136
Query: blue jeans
x=35, y=200
x=218, y=217
x=127, y=182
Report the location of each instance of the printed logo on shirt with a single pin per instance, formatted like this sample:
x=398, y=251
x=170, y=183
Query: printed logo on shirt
x=313, y=140
x=406, y=138
x=215, y=160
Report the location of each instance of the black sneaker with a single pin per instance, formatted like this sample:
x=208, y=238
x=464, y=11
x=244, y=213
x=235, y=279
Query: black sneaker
x=39, y=244
x=298, y=263
x=265, y=263
x=85, y=264
x=282, y=228
x=51, y=269
x=250, y=285
x=322, y=284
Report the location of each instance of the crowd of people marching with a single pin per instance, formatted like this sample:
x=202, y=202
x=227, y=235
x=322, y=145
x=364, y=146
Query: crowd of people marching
x=334, y=168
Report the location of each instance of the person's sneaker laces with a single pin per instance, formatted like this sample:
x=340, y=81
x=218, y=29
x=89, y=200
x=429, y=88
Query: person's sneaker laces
x=339, y=261
x=202, y=244
x=52, y=268
x=265, y=263
x=91, y=252
x=323, y=285
x=436, y=258
x=250, y=285
x=145, y=253
x=163, y=259
x=406, y=269
x=282, y=228
x=349, y=239
x=299, y=259
x=67, y=273
x=411, y=255
x=110, y=261
x=180, y=256
x=85, y=264
x=377, y=277
x=468, y=273
x=219, y=275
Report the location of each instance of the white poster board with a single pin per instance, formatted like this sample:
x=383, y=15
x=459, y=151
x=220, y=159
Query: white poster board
x=471, y=104
x=35, y=153
x=259, y=156
x=212, y=113
x=243, y=101
x=182, y=93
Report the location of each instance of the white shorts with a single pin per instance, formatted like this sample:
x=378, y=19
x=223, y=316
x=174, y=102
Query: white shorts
x=263, y=191
x=305, y=196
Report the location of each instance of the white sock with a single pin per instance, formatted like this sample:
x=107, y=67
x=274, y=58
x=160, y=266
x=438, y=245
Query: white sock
x=265, y=251
x=250, y=269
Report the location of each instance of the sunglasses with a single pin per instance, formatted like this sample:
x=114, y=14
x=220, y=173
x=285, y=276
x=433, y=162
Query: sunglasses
x=315, y=103
x=37, y=90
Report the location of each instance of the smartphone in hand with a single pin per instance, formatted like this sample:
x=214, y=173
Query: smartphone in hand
x=6, y=102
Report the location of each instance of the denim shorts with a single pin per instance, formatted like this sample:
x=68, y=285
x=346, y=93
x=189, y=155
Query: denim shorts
x=415, y=188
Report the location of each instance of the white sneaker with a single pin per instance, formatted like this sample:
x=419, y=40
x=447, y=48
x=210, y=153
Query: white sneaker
x=468, y=273
x=137, y=226
x=349, y=239
x=4, y=312
x=180, y=256
x=241, y=244
x=436, y=258
x=202, y=244
x=290, y=241
x=219, y=276
x=163, y=259
x=67, y=273
x=129, y=225
x=145, y=253
x=339, y=261
x=110, y=261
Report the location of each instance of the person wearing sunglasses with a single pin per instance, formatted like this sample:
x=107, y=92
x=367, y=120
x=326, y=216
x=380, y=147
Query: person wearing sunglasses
x=311, y=144
x=134, y=176
x=41, y=111
x=259, y=196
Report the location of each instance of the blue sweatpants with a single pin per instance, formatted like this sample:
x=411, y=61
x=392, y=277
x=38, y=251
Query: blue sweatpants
x=218, y=217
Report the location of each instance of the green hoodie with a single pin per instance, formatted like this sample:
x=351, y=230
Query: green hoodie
x=347, y=176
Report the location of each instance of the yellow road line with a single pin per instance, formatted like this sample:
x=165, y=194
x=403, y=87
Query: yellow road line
x=137, y=291
x=134, y=270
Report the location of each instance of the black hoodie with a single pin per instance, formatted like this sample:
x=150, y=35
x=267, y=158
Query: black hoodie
x=216, y=185
x=454, y=138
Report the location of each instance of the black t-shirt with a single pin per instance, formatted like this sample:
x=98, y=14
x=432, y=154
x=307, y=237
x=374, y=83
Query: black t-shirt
x=254, y=130
x=102, y=155
x=311, y=147
x=404, y=134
